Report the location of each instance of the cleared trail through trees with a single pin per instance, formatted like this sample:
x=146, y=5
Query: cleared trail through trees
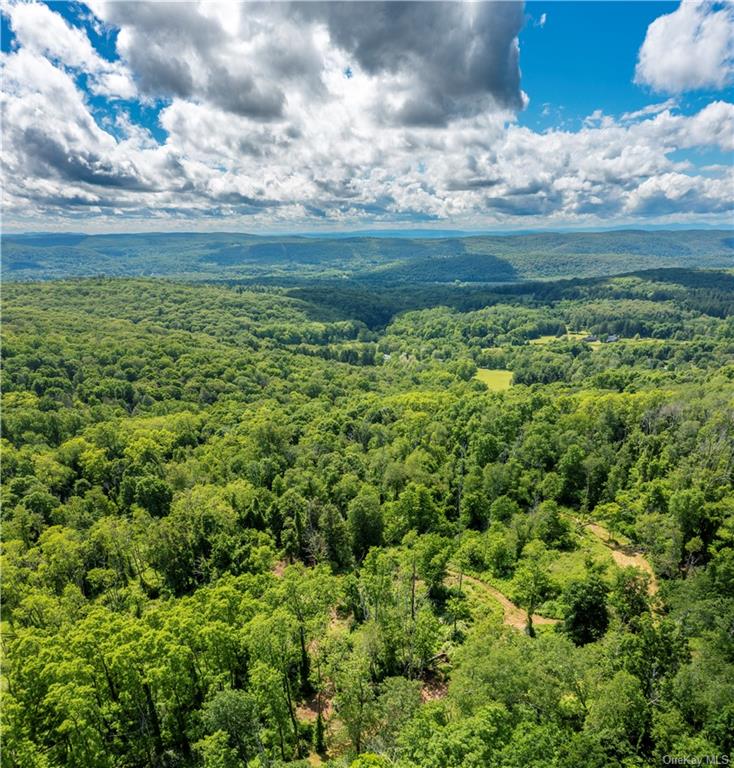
x=625, y=555
x=512, y=615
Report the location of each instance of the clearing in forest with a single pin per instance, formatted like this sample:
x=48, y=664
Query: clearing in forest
x=549, y=338
x=625, y=554
x=496, y=379
x=512, y=615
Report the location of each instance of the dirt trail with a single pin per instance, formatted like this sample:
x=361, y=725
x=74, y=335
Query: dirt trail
x=512, y=615
x=625, y=555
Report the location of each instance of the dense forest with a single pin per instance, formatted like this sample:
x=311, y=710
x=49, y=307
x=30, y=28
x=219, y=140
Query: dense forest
x=365, y=526
x=384, y=260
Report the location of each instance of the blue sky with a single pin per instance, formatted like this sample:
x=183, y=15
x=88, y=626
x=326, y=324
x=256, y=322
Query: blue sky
x=293, y=117
x=583, y=57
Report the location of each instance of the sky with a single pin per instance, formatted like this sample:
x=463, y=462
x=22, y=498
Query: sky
x=296, y=117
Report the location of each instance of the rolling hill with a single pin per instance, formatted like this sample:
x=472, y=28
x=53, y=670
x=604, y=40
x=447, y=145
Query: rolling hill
x=381, y=260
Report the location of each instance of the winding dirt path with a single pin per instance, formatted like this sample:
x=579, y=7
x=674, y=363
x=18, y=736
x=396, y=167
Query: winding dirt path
x=512, y=615
x=625, y=555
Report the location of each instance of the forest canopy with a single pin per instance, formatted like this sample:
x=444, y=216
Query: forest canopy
x=267, y=525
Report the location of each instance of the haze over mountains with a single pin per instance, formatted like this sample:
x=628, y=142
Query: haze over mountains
x=474, y=259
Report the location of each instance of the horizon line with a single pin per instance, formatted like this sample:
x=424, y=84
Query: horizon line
x=387, y=231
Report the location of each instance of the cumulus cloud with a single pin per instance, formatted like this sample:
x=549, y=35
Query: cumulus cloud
x=39, y=30
x=237, y=57
x=673, y=192
x=446, y=59
x=689, y=49
x=434, y=61
x=273, y=116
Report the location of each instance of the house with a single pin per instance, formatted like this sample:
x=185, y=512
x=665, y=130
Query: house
x=588, y=339
x=611, y=338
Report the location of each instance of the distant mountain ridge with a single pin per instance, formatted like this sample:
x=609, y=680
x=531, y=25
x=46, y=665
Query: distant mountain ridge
x=467, y=259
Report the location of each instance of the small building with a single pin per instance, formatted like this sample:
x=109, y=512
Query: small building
x=588, y=339
x=611, y=338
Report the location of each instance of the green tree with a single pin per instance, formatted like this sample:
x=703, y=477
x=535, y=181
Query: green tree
x=550, y=526
x=432, y=554
x=307, y=594
x=365, y=522
x=215, y=751
x=585, y=615
x=628, y=596
x=618, y=715
x=531, y=582
x=354, y=698
x=234, y=714
x=336, y=537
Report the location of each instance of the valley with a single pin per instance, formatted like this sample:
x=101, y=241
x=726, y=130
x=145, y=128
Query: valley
x=326, y=524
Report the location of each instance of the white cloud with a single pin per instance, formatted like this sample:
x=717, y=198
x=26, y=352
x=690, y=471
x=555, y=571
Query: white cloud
x=333, y=151
x=689, y=49
x=597, y=117
x=40, y=30
x=671, y=192
x=435, y=61
x=650, y=109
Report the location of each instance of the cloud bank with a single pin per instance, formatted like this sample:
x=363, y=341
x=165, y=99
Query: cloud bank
x=288, y=116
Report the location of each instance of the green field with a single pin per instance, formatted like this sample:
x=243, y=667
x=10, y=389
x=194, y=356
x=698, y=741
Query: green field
x=568, y=336
x=547, y=339
x=496, y=379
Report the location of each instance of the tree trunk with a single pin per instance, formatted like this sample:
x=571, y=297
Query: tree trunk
x=294, y=722
x=306, y=687
x=155, y=723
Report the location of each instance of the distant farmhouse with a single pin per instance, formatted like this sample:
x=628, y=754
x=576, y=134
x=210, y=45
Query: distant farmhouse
x=591, y=338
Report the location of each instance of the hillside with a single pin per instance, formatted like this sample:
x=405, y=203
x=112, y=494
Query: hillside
x=484, y=259
x=245, y=527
